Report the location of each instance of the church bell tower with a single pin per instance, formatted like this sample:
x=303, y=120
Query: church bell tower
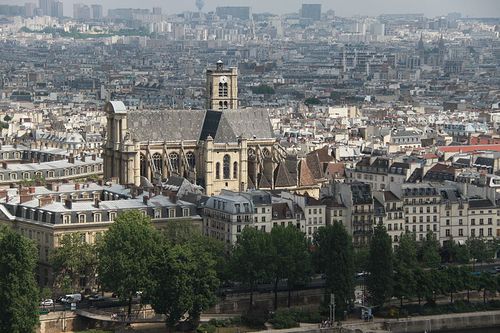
x=222, y=88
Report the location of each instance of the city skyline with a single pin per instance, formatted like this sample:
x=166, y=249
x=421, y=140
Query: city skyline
x=480, y=8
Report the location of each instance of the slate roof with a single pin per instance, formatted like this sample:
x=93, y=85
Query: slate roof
x=194, y=125
x=165, y=125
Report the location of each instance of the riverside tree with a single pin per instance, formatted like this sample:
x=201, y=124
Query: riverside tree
x=252, y=258
x=18, y=288
x=405, y=261
x=380, y=266
x=185, y=281
x=292, y=261
x=334, y=257
x=126, y=254
x=72, y=260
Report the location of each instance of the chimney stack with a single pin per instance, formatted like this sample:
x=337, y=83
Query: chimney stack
x=4, y=165
x=68, y=203
x=94, y=157
x=44, y=201
x=3, y=194
x=145, y=199
x=77, y=186
x=96, y=202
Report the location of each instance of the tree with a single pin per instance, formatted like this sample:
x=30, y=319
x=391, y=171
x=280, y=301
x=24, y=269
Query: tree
x=468, y=280
x=405, y=261
x=361, y=259
x=480, y=250
x=429, y=251
x=7, y=118
x=424, y=283
x=126, y=254
x=486, y=283
x=451, y=281
x=380, y=266
x=292, y=260
x=334, y=257
x=185, y=281
x=312, y=101
x=252, y=258
x=72, y=260
x=18, y=289
x=263, y=89
x=180, y=232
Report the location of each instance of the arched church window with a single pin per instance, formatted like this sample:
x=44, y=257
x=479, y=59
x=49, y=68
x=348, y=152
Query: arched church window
x=235, y=170
x=223, y=89
x=143, y=165
x=191, y=160
x=157, y=162
x=217, y=170
x=226, y=167
x=174, y=161
x=221, y=106
x=226, y=105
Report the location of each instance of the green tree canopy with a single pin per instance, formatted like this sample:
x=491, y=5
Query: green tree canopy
x=480, y=249
x=252, y=259
x=334, y=257
x=263, y=89
x=312, y=101
x=405, y=261
x=185, y=281
x=72, y=260
x=429, y=251
x=380, y=279
x=126, y=253
x=292, y=261
x=18, y=289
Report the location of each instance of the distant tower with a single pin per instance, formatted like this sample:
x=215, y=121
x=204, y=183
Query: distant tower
x=200, y=4
x=222, y=88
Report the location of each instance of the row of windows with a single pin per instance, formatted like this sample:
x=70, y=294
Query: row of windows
x=52, y=174
x=97, y=217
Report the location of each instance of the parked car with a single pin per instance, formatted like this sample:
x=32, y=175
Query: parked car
x=47, y=302
x=96, y=297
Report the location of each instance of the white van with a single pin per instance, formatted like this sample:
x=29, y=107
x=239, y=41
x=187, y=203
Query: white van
x=72, y=298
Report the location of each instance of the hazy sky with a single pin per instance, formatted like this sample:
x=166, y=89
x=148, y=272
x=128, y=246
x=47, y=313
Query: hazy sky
x=474, y=8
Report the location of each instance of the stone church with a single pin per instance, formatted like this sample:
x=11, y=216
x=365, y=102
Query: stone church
x=223, y=147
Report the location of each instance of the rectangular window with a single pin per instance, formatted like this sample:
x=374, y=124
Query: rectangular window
x=185, y=212
x=171, y=212
x=460, y=232
x=157, y=214
x=97, y=217
x=112, y=216
x=66, y=219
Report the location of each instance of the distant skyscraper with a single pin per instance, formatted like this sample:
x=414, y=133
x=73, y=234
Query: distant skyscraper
x=97, y=12
x=81, y=11
x=243, y=13
x=311, y=11
x=29, y=9
x=45, y=6
x=156, y=10
x=57, y=9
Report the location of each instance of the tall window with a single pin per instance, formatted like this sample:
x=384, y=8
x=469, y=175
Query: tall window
x=174, y=162
x=223, y=89
x=143, y=165
x=227, y=167
x=235, y=170
x=217, y=170
x=157, y=162
x=190, y=160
